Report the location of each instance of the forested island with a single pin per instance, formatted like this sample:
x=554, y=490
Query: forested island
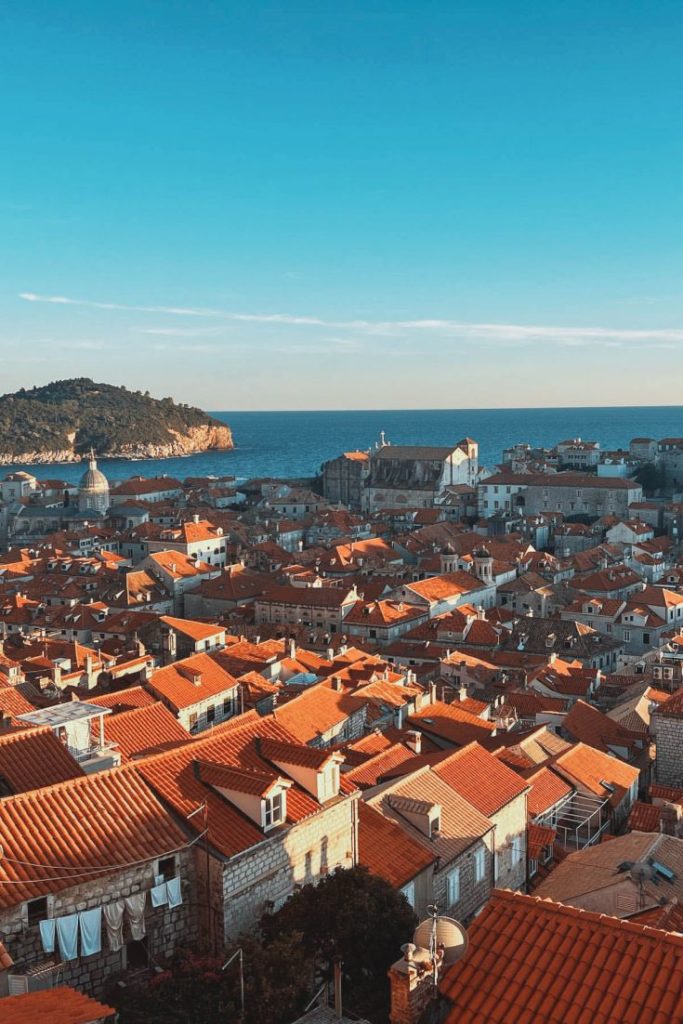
x=62, y=421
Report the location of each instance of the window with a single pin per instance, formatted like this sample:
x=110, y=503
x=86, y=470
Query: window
x=479, y=865
x=627, y=635
x=193, y=721
x=409, y=893
x=37, y=911
x=434, y=826
x=646, y=638
x=533, y=868
x=453, y=886
x=274, y=809
x=548, y=854
x=211, y=714
x=228, y=706
x=516, y=850
x=166, y=868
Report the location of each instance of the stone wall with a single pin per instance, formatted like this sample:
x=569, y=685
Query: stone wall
x=473, y=895
x=669, y=763
x=265, y=875
x=166, y=927
x=510, y=822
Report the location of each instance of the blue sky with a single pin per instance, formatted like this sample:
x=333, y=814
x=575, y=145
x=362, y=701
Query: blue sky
x=358, y=205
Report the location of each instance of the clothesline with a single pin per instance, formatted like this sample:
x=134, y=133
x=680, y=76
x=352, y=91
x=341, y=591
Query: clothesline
x=82, y=870
x=65, y=930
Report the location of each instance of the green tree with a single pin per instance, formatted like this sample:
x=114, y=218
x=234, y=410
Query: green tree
x=278, y=982
x=650, y=477
x=358, y=917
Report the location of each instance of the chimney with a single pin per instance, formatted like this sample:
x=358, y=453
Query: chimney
x=481, y=614
x=196, y=679
x=292, y=647
x=462, y=693
x=553, y=658
x=195, y=519
x=337, y=684
x=413, y=740
x=412, y=986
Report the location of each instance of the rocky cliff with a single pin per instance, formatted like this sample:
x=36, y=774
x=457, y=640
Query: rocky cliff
x=62, y=421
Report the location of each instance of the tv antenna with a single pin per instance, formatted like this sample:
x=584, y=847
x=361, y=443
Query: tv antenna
x=444, y=938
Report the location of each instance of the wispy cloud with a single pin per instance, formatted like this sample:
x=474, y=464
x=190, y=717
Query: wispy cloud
x=181, y=332
x=492, y=333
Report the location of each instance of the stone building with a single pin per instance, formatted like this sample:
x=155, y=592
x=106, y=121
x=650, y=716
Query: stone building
x=418, y=476
x=277, y=815
x=572, y=494
x=667, y=724
x=80, y=846
x=344, y=477
x=93, y=490
x=462, y=838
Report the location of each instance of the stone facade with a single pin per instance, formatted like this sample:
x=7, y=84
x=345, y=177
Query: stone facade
x=669, y=764
x=473, y=893
x=166, y=928
x=510, y=843
x=264, y=876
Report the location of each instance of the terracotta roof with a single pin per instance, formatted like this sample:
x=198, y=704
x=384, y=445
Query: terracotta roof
x=673, y=707
x=589, y=725
x=317, y=710
x=189, y=627
x=100, y=821
x=145, y=730
x=532, y=961
x=124, y=700
x=380, y=765
x=296, y=754
x=451, y=722
x=547, y=788
x=644, y=817
x=234, y=743
x=61, y=1005
x=461, y=825
x=175, y=684
x=481, y=778
x=538, y=839
x=33, y=758
x=241, y=780
x=590, y=768
x=377, y=836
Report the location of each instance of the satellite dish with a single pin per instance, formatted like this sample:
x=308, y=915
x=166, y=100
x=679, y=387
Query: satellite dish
x=448, y=932
x=642, y=872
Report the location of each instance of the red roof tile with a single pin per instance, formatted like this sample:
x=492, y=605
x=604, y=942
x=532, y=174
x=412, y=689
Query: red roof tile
x=481, y=778
x=146, y=730
x=98, y=821
x=532, y=961
x=175, y=683
x=61, y=1005
x=33, y=758
x=377, y=835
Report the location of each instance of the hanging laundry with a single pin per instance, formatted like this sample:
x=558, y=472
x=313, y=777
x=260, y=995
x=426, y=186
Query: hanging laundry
x=135, y=905
x=90, y=922
x=158, y=895
x=113, y=922
x=159, y=879
x=47, y=934
x=67, y=934
x=175, y=897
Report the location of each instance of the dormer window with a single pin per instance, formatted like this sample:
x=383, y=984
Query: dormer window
x=434, y=826
x=274, y=809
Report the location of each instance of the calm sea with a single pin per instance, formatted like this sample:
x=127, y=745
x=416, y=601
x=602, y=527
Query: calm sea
x=285, y=444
